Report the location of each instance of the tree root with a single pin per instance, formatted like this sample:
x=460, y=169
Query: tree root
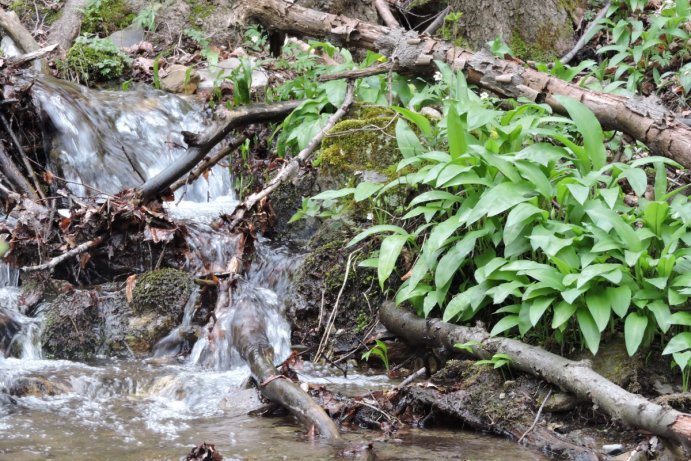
x=576, y=377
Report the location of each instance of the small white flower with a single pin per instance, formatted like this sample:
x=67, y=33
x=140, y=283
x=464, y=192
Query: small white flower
x=437, y=76
x=484, y=95
x=370, y=216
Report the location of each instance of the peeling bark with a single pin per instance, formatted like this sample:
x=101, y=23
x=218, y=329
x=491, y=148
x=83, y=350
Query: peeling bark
x=576, y=377
x=641, y=118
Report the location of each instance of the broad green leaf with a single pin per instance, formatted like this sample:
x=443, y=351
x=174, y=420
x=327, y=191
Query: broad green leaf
x=682, y=8
x=440, y=234
x=678, y=343
x=502, y=291
x=681, y=318
x=365, y=190
x=470, y=298
x=589, y=330
x=590, y=129
x=389, y=251
x=604, y=217
x=610, y=196
x=418, y=119
x=504, y=324
x=637, y=179
x=600, y=309
x=654, y=215
x=454, y=258
x=534, y=175
x=408, y=142
x=518, y=218
x=563, y=311
x=483, y=272
x=457, y=132
x=499, y=199
x=619, y=299
x=434, y=195
x=580, y=193
x=334, y=194
x=375, y=230
x=634, y=330
x=662, y=314
x=538, y=308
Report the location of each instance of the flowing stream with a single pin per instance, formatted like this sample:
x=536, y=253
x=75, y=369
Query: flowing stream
x=159, y=408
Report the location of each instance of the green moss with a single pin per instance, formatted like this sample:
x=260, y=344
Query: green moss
x=358, y=145
x=26, y=10
x=93, y=60
x=164, y=291
x=103, y=17
x=199, y=10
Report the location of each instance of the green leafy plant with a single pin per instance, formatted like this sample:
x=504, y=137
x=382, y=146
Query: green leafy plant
x=156, y=77
x=146, y=18
x=241, y=77
x=517, y=216
x=103, y=17
x=497, y=361
x=381, y=351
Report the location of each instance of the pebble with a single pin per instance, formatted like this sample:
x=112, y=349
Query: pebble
x=613, y=449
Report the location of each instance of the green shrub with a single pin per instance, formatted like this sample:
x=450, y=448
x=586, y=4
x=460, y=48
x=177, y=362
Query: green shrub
x=103, y=17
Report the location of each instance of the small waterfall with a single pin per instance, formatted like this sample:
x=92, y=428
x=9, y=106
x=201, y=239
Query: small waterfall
x=19, y=334
x=112, y=140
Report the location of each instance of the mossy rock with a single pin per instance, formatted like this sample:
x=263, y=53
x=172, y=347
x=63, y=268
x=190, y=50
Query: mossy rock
x=163, y=291
x=92, y=60
x=144, y=331
x=365, y=144
x=103, y=17
x=74, y=327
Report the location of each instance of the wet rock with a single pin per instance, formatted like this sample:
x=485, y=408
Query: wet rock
x=145, y=330
x=128, y=37
x=9, y=327
x=560, y=402
x=162, y=291
x=36, y=387
x=7, y=405
x=613, y=449
x=180, y=79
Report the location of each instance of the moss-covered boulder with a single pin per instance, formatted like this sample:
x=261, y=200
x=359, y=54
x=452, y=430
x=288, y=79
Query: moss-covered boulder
x=163, y=291
x=92, y=60
x=73, y=327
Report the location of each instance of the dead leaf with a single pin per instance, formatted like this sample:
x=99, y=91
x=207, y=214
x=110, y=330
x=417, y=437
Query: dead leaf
x=131, y=282
x=83, y=259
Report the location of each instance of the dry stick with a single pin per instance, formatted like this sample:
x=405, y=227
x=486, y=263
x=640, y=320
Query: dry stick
x=385, y=13
x=16, y=61
x=201, y=145
x=14, y=176
x=208, y=163
x=412, y=378
x=640, y=118
x=575, y=377
x=377, y=69
x=438, y=21
x=9, y=21
x=537, y=416
x=292, y=167
x=22, y=154
x=73, y=252
x=332, y=316
x=585, y=37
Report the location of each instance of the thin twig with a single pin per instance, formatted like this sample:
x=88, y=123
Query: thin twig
x=73, y=252
x=537, y=416
x=291, y=168
x=438, y=21
x=332, y=316
x=207, y=163
x=412, y=377
x=585, y=37
x=377, y=69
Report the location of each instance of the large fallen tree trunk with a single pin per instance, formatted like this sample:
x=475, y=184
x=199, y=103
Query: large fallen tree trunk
x=640, y=118
x=575, y=377
x=249, y=338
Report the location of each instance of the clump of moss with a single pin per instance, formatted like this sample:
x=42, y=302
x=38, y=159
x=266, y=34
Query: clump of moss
x=358, y=145
x=92, y=60
x=543, y=48
x=103, y=17
x=162, y=291
x=199, y=10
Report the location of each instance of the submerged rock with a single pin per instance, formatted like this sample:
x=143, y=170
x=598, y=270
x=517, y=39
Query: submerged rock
x=34, y=386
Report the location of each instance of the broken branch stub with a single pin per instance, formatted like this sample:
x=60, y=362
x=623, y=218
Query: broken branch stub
x=640, y=118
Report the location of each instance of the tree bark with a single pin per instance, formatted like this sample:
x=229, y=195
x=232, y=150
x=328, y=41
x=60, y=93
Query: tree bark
x=641, y=118
x=67, y=27
x=576, y=377
x=17, y=32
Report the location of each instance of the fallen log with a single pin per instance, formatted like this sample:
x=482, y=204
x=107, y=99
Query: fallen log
x=201, y=145
x=640, y=118
x=575, y=377
x=9, y=22
x=249, y=339
x=66, y=28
